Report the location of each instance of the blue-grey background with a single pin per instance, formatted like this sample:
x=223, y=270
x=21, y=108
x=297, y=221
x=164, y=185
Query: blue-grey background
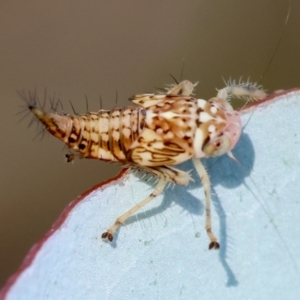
x=93, y=48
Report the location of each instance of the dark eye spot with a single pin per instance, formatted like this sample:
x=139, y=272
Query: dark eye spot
x=218, y=144
x=71, y=140
x=81, y=146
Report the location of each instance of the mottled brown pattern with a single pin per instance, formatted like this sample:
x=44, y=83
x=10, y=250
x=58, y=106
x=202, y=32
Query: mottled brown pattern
x=104, y=135
x=181, y=124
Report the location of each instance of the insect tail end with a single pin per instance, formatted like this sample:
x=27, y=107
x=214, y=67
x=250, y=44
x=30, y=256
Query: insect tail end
x=54, y=123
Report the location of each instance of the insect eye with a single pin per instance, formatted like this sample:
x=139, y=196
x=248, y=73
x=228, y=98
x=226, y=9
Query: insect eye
x=218, y=146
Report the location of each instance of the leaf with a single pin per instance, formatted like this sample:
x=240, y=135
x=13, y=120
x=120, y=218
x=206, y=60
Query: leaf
x=162, y=251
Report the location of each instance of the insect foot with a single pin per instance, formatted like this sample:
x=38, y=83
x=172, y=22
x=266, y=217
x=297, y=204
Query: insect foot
x=107, y=235
x=214, y=245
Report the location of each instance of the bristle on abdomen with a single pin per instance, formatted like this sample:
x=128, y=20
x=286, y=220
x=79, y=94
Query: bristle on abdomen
x=105, y=135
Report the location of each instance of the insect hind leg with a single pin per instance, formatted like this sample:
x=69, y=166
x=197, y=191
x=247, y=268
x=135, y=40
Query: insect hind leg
x=165, y=175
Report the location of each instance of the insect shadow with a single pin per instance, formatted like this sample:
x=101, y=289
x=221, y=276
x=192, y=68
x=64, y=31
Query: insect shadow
x=222, y=170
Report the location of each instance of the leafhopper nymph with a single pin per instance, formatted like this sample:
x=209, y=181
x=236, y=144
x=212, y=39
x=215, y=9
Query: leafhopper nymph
x=160, y=131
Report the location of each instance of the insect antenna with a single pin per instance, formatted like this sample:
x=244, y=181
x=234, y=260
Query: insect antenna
x=278, y=42
x=230, y=82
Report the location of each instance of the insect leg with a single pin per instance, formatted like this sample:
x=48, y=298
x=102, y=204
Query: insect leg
x=70, y=157
x=165, y=175
x=242, y=90
x=206, y=185
x=120, y=220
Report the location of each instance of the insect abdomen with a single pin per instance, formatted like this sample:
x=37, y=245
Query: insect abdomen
x=105, y=135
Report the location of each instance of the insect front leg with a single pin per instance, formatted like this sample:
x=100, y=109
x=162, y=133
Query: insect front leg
x=206, y=186
x=165, y=175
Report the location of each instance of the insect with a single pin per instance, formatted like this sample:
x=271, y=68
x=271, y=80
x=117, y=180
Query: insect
x=160, y=131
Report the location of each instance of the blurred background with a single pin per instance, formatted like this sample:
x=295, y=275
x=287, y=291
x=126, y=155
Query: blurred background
x=95, y=48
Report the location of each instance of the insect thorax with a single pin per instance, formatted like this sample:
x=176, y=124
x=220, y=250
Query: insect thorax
x=178, y=128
